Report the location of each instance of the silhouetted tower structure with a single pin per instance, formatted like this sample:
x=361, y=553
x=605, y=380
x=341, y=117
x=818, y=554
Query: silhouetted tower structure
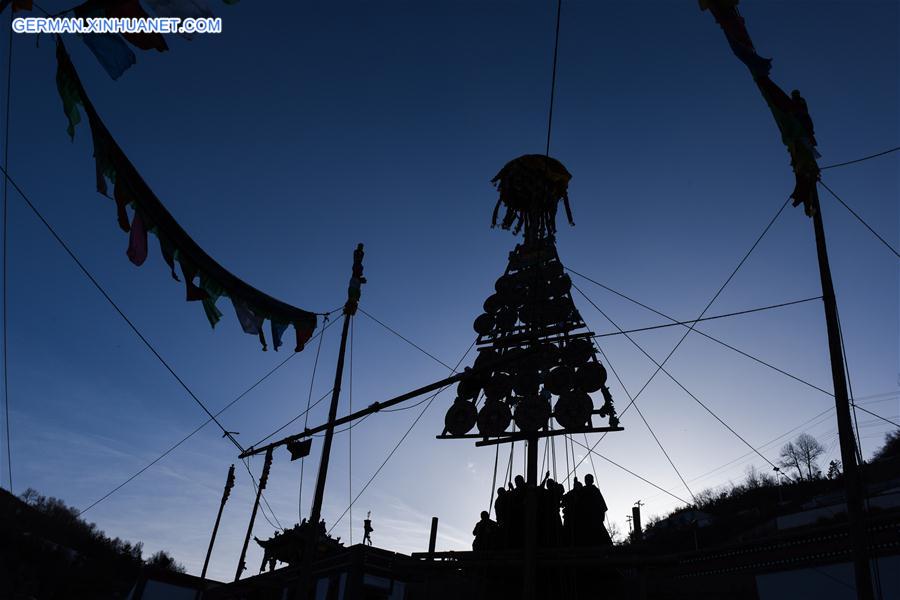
x=537, y=365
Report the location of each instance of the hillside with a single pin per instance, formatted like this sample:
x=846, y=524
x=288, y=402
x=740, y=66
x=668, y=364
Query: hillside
x=47, y=552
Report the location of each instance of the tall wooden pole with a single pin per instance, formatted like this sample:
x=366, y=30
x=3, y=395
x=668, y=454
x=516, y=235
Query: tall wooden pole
x=259, y=490
x=531, y=520
x=229, y=483
x=315, y=515
x=852, y=487
x=350, y=307
x=316, y=512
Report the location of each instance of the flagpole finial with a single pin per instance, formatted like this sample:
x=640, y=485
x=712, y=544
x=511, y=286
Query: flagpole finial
x=354, y=290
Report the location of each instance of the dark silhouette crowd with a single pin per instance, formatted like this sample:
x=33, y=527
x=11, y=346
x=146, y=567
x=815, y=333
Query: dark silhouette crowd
x=573, y=518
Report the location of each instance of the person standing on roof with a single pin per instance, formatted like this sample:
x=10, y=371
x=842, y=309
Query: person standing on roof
x=367, y=529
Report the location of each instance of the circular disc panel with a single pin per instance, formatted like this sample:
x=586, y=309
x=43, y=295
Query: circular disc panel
x=573, y=410
x=590, y=377
x=532, y=413
x=493, y=418
x=461, y=417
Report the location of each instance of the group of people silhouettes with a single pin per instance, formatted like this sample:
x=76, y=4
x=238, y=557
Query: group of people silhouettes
x=573, y=518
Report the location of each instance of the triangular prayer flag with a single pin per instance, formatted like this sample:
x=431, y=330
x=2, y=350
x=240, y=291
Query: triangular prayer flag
x=252, y=306
x=137, y=241
x=168, y=252
x=304, y=332
x=214, y=292
x=132, y=9
x=250, y=322
x=18, y=5
x=192, y=292
x=790, y=112
x=111, y=51
x=278, y=330
x=69, y=88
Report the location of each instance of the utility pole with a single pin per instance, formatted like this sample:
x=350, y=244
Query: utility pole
x=853, y=489
x=637, y=532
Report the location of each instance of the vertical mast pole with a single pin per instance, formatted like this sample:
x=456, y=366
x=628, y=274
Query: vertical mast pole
x=229, y=483
x=531, y=519
x=853, y=489
x=353, y=294
x=315, y=515
x=259, y=490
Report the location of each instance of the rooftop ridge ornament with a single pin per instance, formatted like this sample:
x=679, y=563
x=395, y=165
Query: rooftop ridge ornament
x=531, y=188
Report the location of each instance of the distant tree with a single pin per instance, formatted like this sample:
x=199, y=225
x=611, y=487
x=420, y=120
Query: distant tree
x=802, y=455
x=615, y=533
x=754, y=478
x=891, y=447
x=790, y=459
x=30, y=496
x=810, y=450
x=163, y=560
x=834, y=469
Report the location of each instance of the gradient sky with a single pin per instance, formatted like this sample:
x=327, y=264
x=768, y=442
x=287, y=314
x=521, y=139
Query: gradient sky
x=307, y=127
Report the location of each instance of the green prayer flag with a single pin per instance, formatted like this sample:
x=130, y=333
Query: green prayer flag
x=69, y=88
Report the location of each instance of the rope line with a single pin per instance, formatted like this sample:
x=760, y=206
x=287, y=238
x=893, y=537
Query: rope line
x=312, y=381
x=859, y=451
x=593, y=466
x=818, y=416
x=410, y=342
x=494, y=480
x=115, y=306
x=860, y=219
x=350, y=435
x=190, y=435
x=5, y=249
x=277, y=524
x=630, y=472
x=706, y=335
x=722, y=316
x=666, y=454
x=402, y=438
x=660, y=367
x=212, y=417
x=859, y=160
x=302, y=414
x=553, y=77
x=866, y=410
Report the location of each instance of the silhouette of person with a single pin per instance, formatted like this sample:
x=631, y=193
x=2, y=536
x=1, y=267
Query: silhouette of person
x=515, y=524
x=485, y=533
x=501, y=507
x=555, y=493
x=592, y=492
x=594, y=514
x=367, y=529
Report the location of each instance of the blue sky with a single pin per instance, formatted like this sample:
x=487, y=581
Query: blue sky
x=308, y=127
